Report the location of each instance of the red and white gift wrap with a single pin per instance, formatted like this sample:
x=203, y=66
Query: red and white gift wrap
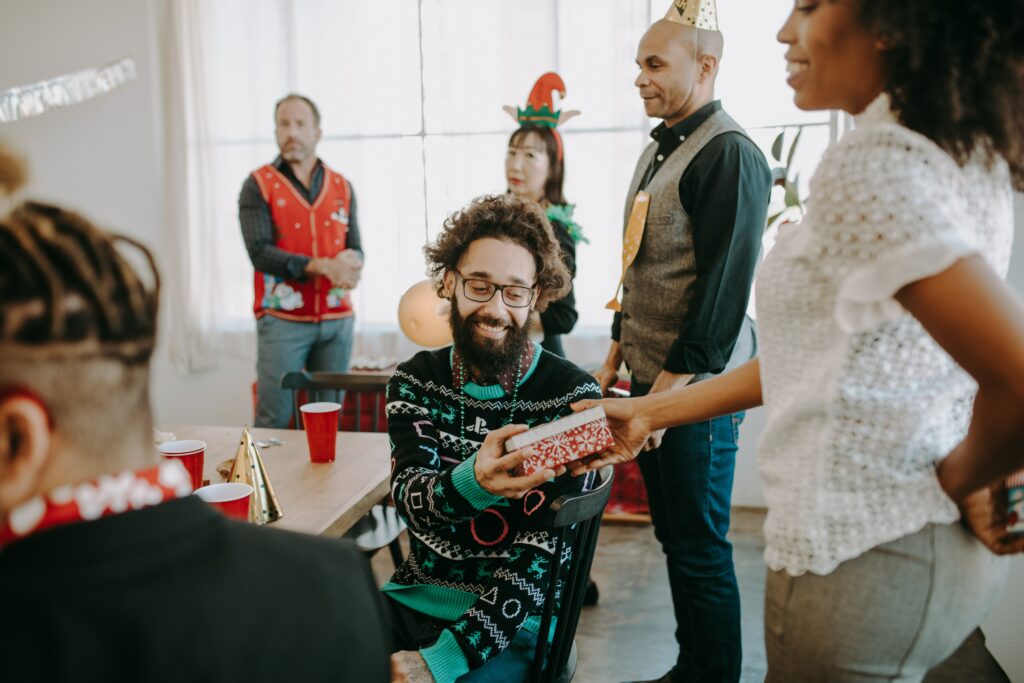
x=1015, y=494
x=560, y=442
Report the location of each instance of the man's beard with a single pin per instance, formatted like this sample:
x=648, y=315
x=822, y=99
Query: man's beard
x=294, y=155
x=486, y=357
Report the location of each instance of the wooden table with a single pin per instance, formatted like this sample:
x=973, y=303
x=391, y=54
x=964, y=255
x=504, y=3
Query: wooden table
x=317, y=498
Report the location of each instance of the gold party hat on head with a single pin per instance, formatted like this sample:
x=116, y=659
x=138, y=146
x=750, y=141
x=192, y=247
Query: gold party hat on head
x=698, y=13
x=248, y=469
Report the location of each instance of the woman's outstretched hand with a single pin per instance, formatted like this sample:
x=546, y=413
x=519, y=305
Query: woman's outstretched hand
x=630, y=432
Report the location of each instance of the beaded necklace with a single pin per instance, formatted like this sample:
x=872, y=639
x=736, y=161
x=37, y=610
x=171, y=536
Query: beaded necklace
x=464, y=449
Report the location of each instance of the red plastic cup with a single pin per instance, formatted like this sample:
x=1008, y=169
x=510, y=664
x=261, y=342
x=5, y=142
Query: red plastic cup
x=321, y=423
x=232, y=499
x=190, y=454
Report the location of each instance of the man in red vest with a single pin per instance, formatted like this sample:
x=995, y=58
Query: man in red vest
x=298, y=219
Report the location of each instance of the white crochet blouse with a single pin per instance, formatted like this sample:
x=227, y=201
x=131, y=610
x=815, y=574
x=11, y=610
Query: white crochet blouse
x=860, y=401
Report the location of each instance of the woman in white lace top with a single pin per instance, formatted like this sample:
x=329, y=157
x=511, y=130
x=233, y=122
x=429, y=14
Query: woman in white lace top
x=892, y=353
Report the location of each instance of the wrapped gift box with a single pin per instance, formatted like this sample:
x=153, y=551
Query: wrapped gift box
x=1015, y=487
x=562, y=441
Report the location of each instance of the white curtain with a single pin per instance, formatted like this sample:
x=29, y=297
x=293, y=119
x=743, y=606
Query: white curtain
x=190, y=209
x=410, y=93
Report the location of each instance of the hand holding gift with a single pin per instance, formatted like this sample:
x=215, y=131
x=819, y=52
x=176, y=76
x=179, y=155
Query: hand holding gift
x=496, y=465
x=629, y=433
x=564, y=441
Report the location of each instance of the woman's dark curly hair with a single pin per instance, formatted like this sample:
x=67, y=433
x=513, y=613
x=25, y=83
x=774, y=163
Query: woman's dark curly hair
x=955, y=73
x=504, y=217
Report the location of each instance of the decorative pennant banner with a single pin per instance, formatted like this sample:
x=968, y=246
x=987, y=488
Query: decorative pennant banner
x=64, y=91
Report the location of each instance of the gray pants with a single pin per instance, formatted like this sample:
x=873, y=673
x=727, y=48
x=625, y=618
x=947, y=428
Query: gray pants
x=889, y=615
x=286, y=346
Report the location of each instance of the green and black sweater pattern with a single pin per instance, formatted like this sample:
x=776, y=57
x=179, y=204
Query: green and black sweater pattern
x=476, y=560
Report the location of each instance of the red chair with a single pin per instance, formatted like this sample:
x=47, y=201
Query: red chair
x=629, y=495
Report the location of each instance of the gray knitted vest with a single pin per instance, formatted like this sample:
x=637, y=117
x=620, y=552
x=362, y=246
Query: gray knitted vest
x=661, y=282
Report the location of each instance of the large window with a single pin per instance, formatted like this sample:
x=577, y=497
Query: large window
x=410, y=93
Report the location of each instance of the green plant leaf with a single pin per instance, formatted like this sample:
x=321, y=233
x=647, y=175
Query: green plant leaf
x=792, y=148
x=777, y=146
x=774, y=217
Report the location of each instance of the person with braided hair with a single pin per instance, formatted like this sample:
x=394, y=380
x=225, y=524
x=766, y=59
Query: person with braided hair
x=891, y=363
x=109, y=569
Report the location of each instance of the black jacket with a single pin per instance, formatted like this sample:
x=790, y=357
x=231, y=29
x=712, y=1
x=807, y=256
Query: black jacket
x=178, y=593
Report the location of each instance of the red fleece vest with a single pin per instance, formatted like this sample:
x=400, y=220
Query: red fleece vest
x=319, y=230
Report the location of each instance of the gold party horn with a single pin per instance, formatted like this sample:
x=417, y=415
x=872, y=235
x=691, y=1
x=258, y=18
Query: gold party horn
x=248, y=468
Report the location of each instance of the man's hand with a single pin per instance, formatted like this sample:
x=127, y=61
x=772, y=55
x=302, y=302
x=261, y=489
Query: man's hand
x=342, y=270
x=493, y=465
x=984, y=513
x=351, y=257
x=606, y=377
x=336, y=272
x=665, y=381
x=630, y=432
x=351, y=268
x=408, y=666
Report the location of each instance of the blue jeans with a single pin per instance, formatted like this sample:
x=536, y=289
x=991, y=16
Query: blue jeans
x=689, y=489
x=284, y=346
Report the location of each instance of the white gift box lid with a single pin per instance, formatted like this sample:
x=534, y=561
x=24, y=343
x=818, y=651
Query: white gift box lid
x=558, y=426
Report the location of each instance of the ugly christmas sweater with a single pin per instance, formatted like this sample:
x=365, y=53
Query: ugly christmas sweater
x=476, y=560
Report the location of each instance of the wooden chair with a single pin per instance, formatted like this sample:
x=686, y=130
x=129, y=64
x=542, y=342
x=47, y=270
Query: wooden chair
x=578, y=514
x=382, y=526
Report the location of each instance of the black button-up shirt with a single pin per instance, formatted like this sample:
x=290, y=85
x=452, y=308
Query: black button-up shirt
x=258, y=225
x=725, y=190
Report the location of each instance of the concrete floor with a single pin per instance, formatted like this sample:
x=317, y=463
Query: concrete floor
x=629, y=634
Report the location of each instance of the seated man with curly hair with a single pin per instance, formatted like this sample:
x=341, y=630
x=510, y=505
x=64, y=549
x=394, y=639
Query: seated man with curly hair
x=469, y=596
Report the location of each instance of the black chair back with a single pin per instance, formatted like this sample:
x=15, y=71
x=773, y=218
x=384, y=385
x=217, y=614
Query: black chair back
x=584, y=511
x=332, y=386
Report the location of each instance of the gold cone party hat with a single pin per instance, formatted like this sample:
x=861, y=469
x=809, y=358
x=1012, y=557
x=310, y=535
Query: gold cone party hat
x=248, y=469
x=698, y=13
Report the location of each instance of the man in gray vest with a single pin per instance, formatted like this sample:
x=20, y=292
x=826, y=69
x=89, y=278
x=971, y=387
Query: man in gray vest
x=695, y=215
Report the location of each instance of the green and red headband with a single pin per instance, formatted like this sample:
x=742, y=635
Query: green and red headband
x=540, y=108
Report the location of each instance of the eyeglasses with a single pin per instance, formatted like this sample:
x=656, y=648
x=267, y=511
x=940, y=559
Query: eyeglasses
x=483, y=291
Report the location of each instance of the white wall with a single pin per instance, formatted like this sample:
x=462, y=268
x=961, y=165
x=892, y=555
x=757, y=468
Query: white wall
x=99, y=156
x=103, y=158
